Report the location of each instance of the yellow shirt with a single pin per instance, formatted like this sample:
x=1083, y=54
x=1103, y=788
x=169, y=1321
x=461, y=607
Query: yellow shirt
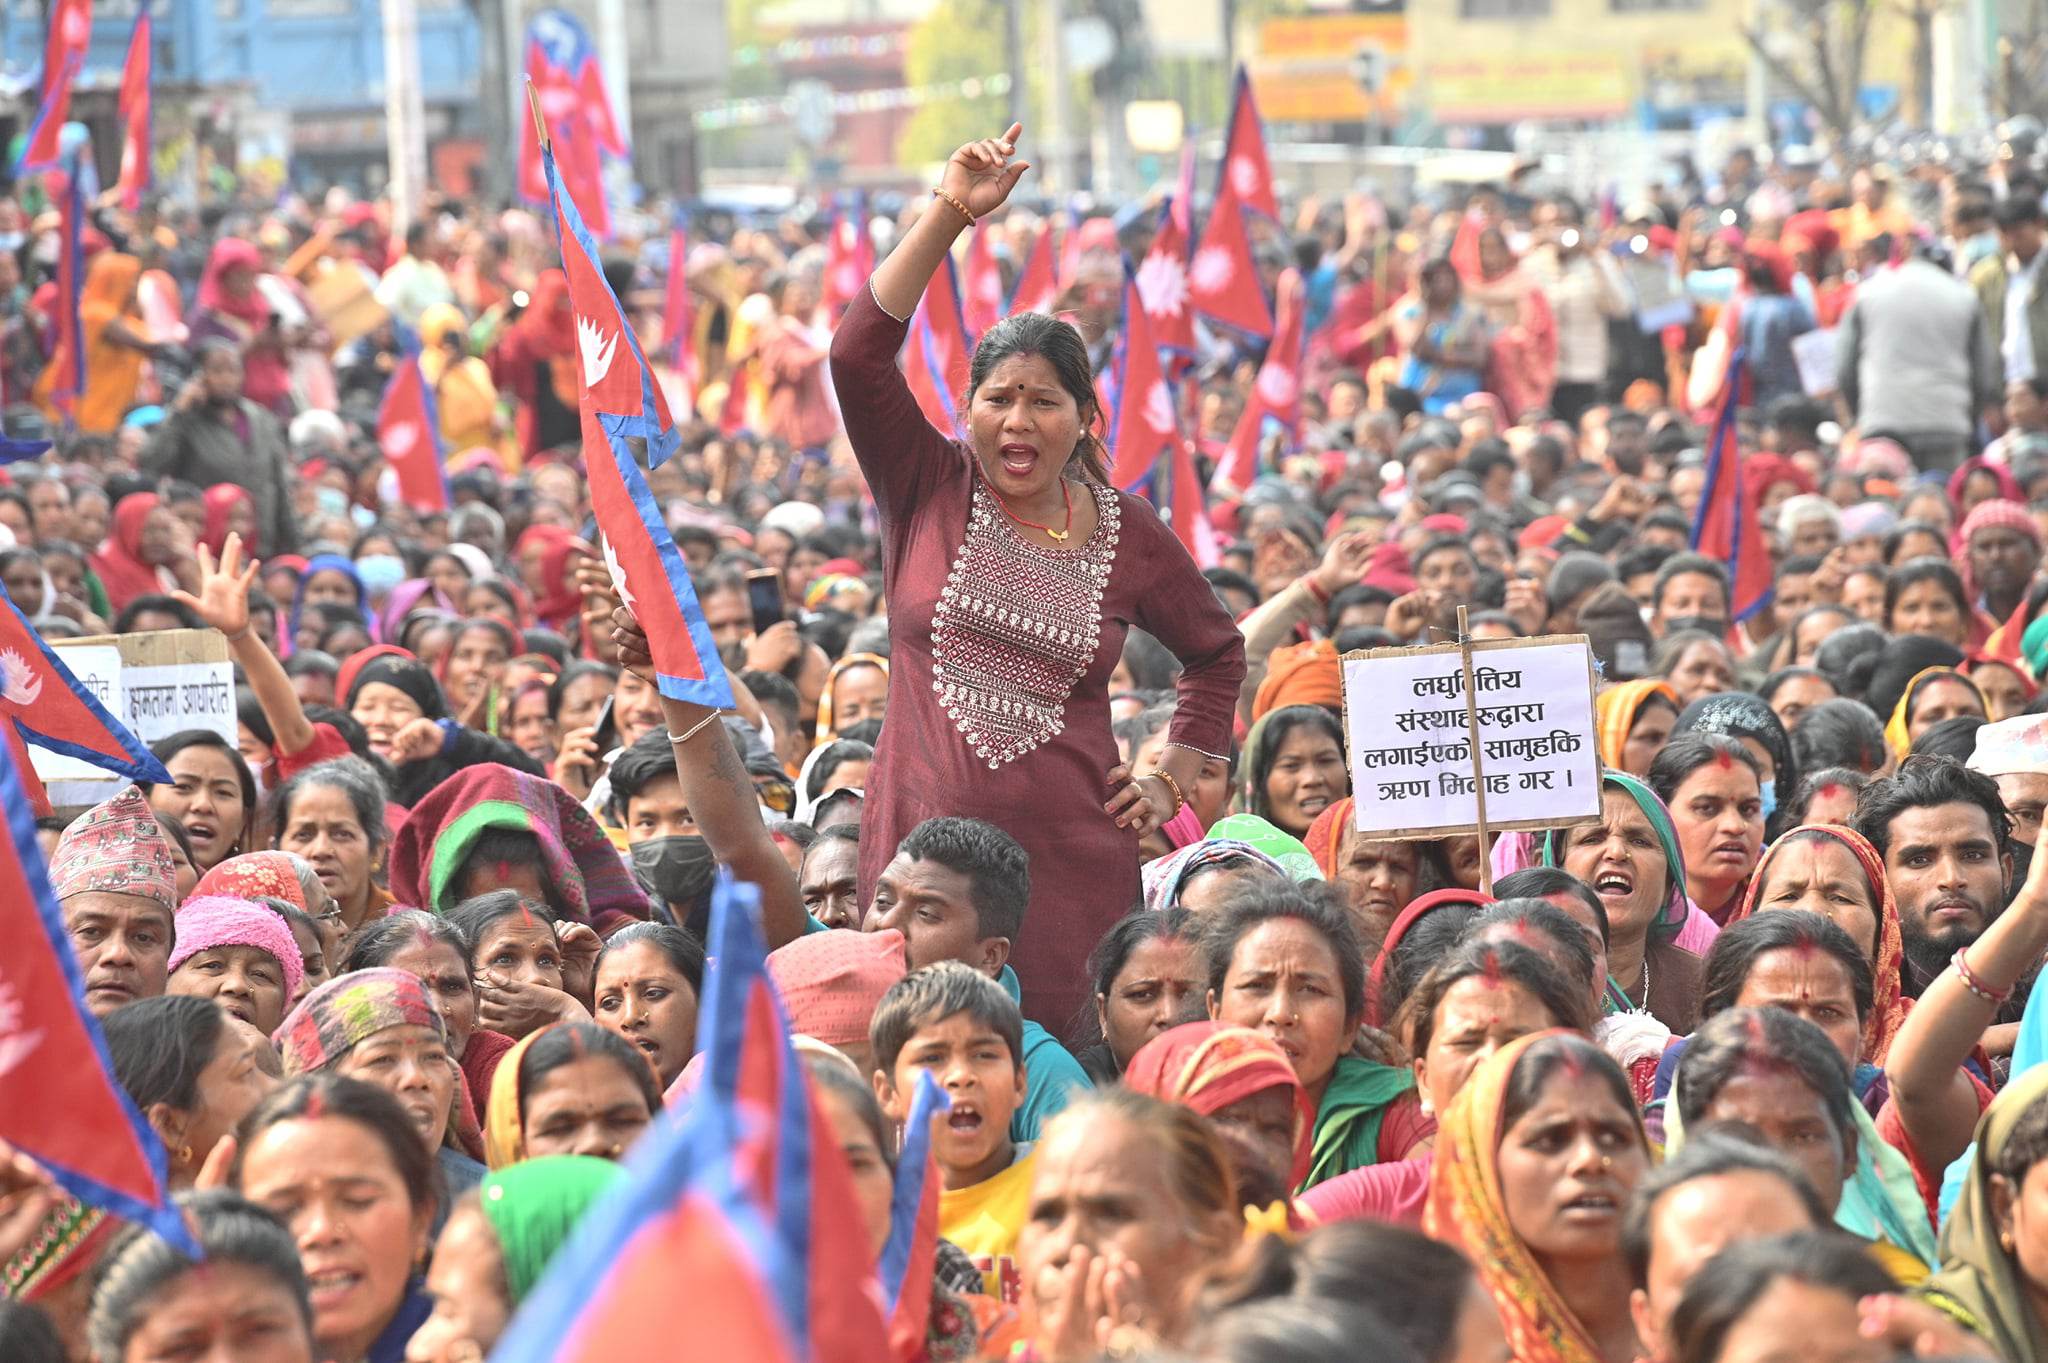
x=986, y=1219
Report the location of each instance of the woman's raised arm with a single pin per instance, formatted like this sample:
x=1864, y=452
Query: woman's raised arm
x=978, y=178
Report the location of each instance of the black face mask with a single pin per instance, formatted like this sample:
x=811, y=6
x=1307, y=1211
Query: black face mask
x=677, y=873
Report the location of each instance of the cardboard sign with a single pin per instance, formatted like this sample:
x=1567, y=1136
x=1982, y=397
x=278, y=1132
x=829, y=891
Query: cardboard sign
x=158, y=684
x=1408, y=734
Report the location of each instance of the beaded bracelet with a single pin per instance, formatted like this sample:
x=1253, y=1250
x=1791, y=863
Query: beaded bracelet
x=961, y=208
x=1180, y=801
x=1974, y=985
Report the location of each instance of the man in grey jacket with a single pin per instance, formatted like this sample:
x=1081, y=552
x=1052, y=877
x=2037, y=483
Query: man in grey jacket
x=1916, y=362
x=215, y=435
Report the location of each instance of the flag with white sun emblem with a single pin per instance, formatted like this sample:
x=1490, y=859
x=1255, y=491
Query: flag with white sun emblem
x=409, y=434
x=624, y=412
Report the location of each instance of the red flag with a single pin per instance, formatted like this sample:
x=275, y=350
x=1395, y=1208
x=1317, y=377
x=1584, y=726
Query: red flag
x=596, y=108
x=1186, y=510
x=1146, y=425
x=68, y=356
x=1464, y=253
x=936, y=352
x=981, y=298
x=1275, y=396
x=561, y=62
x=1247, y=175
x=911, y=1254
x=1725, y=527
x=409, y=433
x=1162, y=284
x=1222, y=280
x=1037, y=289
x=622, y=405
x=679, y=319
x=67, y=1111
x=849, y=258
x=64, y=47
x=133, y=110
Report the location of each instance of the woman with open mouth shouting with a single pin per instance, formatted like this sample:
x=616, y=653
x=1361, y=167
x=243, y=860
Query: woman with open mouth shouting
x=1015, y=571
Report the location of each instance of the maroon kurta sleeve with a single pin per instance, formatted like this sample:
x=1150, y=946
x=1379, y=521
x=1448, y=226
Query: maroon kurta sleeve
x=1179, y=608
x=901, y=455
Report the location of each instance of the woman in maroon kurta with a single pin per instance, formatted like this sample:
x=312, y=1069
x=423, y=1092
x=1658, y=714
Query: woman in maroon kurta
x=1014, y=572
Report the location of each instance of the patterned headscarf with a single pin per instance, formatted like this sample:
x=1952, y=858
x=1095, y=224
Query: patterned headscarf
x=1671, y=919
x=1207, y=1066
x=217, y=921
x=67, y=1242
x=1978, y=1274
x=1616, y=709
x=255, y=875
x=1325, y=837
x=1896, y=728
x=1467, y=1209
x=1738, y=714
x=349, y=1009
x=1889, y=1005
x=1163, y=878
x=831, y=982
x=116, y=847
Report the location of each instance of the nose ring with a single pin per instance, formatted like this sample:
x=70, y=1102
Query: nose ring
x=1607, y=1161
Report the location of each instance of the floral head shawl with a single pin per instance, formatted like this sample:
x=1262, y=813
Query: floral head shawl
x=349, y=1009
x=1163, y=878
x=116, y=847
x=1616, y=709
x=1207, y=1066
x=1325, y=837
x=1888, y=1008
x=1467, y=1209
x=1738, y=714
x=1670, y=919
x=255, y=875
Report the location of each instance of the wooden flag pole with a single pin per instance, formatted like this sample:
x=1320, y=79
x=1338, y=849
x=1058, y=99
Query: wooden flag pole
x=1478, y=768
x=540, y=125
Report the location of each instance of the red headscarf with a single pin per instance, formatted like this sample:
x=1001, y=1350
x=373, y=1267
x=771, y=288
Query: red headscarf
x=221, y=499
x=230, y=253
x=119, y=561
x=1207, y=1066
x=2008, y=486
x=1418, y=909
x=556, y=601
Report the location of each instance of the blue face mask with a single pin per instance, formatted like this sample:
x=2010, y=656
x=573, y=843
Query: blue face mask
x=331, y=501
x=380, y=573
x=1770, y=799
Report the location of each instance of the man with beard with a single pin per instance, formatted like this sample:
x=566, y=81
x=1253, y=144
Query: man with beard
x=1946, y=841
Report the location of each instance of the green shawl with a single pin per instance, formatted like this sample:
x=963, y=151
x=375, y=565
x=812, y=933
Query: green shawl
x=1979, y=1283
x=1347, y=1130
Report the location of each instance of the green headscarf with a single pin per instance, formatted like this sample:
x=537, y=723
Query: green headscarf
x=1979, y=1283
x=2034, y=646
x=1347, y=1129
x=1283, y=847
x=534, y=1205
x=1671, y=920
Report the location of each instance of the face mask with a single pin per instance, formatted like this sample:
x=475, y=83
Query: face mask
x=380, y=573
x=1979, y=247
x=1770, y=800
x=332, y=501
x=677, y=873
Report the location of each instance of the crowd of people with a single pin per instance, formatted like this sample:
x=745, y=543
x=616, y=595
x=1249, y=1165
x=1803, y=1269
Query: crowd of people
x=1042, y=807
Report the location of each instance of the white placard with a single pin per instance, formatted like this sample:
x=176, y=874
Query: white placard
x=170, y=698
x=1813, y=353
x=1407, y=733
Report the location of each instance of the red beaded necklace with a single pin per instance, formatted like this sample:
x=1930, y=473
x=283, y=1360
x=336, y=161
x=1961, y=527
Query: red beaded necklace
x=1066, y=496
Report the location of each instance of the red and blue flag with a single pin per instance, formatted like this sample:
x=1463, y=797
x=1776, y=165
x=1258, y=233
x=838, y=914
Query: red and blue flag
x=911, y=1255
x=623, y=408
x=1247, y=174
x=409, y=433
x=1275, y=399
x=981, y=299
x=937, y=351
x=64, y=46
x=748, y=1189
x=133, y=110
x=679, y=318
x=41, y=702
x=80, y=1123
x=849, y=257
x=1149, y=454
x=1037, y=287
x=68, y=355
x=1725, y=528
x=562, y=65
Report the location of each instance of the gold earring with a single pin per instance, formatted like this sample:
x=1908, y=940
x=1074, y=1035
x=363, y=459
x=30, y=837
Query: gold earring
x=184, y=1154
x=2005, y=1241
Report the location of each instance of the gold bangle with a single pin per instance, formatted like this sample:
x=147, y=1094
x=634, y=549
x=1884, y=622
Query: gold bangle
x=1180, y=801
x=959, y=207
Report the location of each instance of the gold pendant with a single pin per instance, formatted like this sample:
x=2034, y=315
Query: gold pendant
x=1058, y=536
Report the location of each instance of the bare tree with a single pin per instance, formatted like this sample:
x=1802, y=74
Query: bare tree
x=2019, y=82
x=1816, y=47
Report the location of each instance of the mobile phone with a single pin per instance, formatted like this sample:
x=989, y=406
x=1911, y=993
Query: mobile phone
x=764, y=595
x=606, y=732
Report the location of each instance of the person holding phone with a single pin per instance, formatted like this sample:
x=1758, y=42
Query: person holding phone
x=1014, y=572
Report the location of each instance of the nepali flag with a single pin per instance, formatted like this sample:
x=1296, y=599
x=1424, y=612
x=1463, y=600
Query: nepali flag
x=1275, y=396
x=981, y=301
x=937, y=351
x=562, y=65
x=1223, y=282
x=747, y=1199
x=1725, y=527
x=64, y=47
x=41, y=702
x=911, y=1255
x=409, y=433
x=679, y=318
x=849, y=257
x=1146, y=425
x=623, y=414
x=134, y=113
x=1247, y=175
x=80, y=1123
x=1038, y=287
x=68, y=355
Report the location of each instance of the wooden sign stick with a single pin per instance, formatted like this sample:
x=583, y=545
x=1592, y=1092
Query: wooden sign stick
x=1478, y=768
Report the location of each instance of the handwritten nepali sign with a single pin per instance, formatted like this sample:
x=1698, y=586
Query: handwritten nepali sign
x=158, y=683
x=1409, y=732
